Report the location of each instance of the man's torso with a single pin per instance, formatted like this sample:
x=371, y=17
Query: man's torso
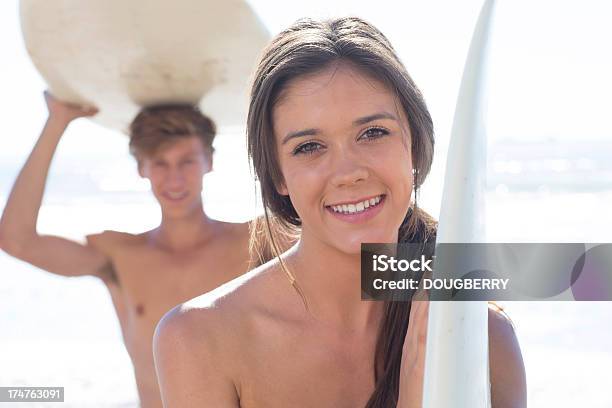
x=145, y=282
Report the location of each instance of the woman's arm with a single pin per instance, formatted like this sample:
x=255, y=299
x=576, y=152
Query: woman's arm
x=506, y=368
x=413, y=355
x=190, y=361
x=507, y=372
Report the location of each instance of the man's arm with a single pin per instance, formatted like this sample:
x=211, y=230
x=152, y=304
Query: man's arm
x=18, y=234
x=190, y=363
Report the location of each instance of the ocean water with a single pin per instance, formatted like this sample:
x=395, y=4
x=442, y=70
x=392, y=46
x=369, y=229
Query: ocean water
x=57, y=331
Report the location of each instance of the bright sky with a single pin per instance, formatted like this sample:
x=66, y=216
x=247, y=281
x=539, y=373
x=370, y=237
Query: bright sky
x=549, y=72
x=549, y=67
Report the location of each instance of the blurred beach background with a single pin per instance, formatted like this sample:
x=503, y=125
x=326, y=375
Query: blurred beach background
x=549, y=180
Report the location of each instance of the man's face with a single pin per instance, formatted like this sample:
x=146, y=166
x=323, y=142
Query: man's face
x=175, y=173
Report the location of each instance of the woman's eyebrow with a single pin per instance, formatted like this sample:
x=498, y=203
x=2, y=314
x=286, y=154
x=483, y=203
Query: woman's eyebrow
x=370, y=118
x=300, y=133
x=357, y=122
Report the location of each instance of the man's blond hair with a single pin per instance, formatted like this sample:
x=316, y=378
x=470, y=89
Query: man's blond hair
x=157, y=126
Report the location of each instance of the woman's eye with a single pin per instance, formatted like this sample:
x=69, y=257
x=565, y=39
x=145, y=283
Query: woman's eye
x=307, y=148
x=374, y=133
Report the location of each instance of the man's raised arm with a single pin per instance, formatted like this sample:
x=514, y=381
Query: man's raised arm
x=18, y=234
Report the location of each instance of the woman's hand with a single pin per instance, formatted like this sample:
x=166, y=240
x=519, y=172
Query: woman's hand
x=413, y=354
x=66, y=112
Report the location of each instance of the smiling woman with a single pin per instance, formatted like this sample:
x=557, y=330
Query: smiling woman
x=340, y=139
x=356, y=151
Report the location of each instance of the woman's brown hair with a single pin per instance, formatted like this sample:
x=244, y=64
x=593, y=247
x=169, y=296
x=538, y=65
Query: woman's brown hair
x=306, y=47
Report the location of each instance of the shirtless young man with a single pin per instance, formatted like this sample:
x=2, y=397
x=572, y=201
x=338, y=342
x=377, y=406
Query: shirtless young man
x=148, y=273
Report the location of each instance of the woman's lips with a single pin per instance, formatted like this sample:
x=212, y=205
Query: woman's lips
x=356, y=213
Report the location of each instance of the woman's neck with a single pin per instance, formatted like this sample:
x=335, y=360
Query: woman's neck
x=330, y=280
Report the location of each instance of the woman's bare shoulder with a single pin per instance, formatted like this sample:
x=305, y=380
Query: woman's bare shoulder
x=220, y=314
x=198, y=345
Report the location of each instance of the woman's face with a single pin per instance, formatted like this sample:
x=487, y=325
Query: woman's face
x=343, y=144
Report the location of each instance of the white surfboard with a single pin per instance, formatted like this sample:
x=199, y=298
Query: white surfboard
x=457, y=355
x=120, y=55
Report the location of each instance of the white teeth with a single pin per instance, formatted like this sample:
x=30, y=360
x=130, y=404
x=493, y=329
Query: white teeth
x=356, y=208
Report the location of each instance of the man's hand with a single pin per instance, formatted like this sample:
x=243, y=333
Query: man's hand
x=66, y=112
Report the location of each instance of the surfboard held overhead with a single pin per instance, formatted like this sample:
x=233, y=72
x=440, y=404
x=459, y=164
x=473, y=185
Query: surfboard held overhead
x=121, y=55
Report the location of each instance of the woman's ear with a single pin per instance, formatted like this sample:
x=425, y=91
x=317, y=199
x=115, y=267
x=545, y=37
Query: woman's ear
x=281, y=189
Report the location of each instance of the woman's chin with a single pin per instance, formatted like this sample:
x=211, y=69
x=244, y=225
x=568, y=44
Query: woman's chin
x=353, y=245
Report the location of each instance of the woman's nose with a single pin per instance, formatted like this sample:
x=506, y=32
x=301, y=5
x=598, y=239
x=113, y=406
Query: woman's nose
x=348, y=169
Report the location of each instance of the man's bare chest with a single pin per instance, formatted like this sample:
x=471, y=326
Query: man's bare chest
x=149, y=284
